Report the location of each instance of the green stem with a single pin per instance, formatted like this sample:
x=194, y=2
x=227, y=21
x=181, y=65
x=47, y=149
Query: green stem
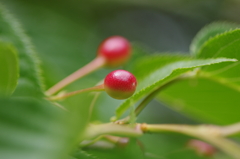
x=223, y=131
x=87, y=143
x=63, y=96
x=96, y=95
x=230, y=129
x=98, y=62
x=156, y=128
x=209, y=133
x=94, y=131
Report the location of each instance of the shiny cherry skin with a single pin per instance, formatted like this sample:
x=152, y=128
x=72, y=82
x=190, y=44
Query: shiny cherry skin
x=116, y=50
x=120, y=84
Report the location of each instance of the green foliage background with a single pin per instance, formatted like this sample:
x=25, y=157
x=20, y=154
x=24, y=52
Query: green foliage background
x=65, y=35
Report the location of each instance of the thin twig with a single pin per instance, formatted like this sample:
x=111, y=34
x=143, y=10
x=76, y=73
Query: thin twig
x=66, y=95
x=212, y=134
x=60, y=106
x=94, y=131
x=96, y=95
x=90, y=67
x=230, y=129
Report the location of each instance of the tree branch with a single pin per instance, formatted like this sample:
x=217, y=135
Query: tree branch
x=210, y=133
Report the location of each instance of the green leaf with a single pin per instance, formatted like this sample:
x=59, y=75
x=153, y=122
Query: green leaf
x=162, y=76
x=214, y=95
x=32, y=128
x=203, y=100
x=29, y=81
x=8, y=69
x=224, y=45
x=209, y=32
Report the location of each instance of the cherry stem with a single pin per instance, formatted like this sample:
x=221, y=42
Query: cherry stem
x=95, y=88
x=98, y=62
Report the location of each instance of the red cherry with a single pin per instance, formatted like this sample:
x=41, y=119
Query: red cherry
x=116, y=50
x=202, y=148
x=120, y=84
x=112, y=52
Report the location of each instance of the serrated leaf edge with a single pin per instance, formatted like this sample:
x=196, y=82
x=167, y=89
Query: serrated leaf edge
x=214, y=38
x=132, y=100
x=210, y=27
x=30, y=51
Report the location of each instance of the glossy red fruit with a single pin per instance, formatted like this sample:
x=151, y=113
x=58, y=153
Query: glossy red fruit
x=120, y=84
x=202, y=148
x=116, y=50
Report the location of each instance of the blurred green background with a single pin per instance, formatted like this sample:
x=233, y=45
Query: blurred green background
x=67, y=33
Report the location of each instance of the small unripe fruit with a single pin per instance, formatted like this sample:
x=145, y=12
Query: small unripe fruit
x=116, y=50
x=202, y=148
x=120, y=84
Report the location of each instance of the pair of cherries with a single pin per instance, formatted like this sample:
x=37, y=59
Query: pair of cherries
x=112, y=52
